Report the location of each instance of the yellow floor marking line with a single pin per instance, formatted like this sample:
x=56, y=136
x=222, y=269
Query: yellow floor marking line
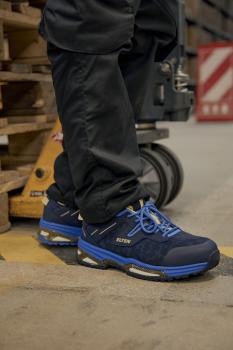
x=228, y=251
x=15, y=247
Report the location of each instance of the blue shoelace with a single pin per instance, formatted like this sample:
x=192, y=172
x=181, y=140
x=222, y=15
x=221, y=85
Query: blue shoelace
x=150, y=220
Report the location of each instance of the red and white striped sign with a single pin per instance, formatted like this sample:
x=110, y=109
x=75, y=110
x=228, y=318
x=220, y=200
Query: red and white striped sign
x=215, y=82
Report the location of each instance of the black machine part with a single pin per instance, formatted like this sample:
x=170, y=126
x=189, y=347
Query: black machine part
x=177, y=169
x=163, y=174
x=170, y=99
x=156, y=176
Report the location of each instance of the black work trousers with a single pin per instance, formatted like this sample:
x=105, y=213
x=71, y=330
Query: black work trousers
x=100, y=92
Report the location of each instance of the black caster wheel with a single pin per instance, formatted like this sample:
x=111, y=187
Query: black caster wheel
x=157, y=176
x=176, y=166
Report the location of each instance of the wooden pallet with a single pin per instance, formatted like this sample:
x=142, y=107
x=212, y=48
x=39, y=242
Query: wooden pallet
x=25, y=80
x=27, y=101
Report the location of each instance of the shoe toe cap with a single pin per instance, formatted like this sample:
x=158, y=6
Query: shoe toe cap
x=192, y=254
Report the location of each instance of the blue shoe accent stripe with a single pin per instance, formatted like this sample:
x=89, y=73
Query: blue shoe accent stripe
x=102, y=254
x=69, y=231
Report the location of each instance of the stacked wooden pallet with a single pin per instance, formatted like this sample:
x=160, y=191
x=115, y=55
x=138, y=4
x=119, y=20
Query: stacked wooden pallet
x=27, y=103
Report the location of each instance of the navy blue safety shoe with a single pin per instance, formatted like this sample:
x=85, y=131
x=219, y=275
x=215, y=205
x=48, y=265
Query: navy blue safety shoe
x=59, y=225
x=145, y=244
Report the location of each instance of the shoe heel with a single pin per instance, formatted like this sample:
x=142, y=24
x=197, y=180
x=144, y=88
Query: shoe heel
x=43, y=236
x=90, y=261
x=54, y=238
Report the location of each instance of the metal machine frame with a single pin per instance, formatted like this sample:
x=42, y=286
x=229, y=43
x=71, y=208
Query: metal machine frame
x=170, y=100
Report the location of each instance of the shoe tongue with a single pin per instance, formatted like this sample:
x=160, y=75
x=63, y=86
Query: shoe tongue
x=136, y=205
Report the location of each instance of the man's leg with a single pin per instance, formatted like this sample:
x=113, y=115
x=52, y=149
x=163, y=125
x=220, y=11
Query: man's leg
x=140, y=240
x=99, y=135
x=99, y=168
x=136, y=65
x=99, y=132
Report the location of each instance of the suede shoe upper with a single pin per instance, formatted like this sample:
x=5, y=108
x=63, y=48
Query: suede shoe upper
x=150, y=237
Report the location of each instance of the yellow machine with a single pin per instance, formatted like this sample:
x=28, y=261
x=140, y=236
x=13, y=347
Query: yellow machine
x=29, y=203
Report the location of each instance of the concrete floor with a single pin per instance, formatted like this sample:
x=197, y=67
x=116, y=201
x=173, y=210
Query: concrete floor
x=57, y=306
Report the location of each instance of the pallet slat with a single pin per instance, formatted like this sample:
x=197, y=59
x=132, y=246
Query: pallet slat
x=15, y=19
x=25, y=127
x=25, y=9
x=27, y=119
x=14, y=77
x=25, y=169
x=14, y=184
x=6, y=176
